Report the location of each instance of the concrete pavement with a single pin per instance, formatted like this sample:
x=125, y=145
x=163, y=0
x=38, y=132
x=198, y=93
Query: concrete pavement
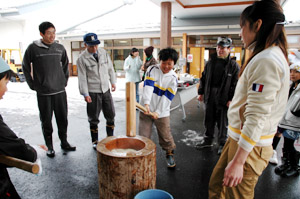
x=73, y=175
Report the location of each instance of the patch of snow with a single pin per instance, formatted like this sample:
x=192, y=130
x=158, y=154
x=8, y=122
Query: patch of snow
x=191, y=138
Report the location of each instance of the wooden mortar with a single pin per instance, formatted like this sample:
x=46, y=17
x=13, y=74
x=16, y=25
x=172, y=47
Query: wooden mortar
x=123, y=174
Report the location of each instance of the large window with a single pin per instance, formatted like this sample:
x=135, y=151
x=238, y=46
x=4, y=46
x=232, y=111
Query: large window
x=137, y=42
x=177, y=41
x=122, y=42
x=119, y=56
x=210, y=41
x=156, y=41
x=108, y=43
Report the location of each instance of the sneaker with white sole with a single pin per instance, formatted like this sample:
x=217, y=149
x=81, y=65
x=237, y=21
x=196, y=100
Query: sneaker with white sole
x=274, y=159
x=170, y=159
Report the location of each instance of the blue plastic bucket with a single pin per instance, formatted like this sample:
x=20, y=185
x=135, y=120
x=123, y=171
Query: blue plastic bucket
x=153, y=194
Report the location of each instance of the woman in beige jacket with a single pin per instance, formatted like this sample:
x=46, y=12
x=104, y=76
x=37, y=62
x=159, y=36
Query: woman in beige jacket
x=258, y=104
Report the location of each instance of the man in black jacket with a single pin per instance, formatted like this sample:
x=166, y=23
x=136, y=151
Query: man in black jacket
x=50, y=72
x=216, y=89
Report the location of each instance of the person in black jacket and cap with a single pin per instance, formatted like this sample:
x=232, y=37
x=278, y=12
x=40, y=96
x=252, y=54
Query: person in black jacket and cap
x=216, y=89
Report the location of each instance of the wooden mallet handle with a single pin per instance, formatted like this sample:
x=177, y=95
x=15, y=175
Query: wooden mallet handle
x=130, y=110
x=139, y=106
x=20, y=164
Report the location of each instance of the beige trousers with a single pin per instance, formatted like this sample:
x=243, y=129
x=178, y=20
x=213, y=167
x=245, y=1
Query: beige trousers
x=255, y=163
x=166, y=140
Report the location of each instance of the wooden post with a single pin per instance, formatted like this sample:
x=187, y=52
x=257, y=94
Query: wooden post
x=130, y=110
x=165, y=25
x=202, y=64
x=184, y=50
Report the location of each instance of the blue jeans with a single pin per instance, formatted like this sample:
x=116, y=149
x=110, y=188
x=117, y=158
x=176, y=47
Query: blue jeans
x=294, y=135
x=137, y=91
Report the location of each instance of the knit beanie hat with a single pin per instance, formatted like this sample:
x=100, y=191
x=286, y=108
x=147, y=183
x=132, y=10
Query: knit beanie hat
x=148, y=51
x=3, y=66
x=295, y=66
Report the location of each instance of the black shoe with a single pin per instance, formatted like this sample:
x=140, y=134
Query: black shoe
x=293, y=171
x=68, y=147
x=170, y=159
x=286, y=163
x=205, y=143
x=95, y=145
x=50, y=153
x=48, y=140
x=220, y=149
x=279, y=170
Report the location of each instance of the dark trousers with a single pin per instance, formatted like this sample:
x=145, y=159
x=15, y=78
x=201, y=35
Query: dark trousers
x=53, y=103
x=7, y=189
x=101, y=101
x=215, y=114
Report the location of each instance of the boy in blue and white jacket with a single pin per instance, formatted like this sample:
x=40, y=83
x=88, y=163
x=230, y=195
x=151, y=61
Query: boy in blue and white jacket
x=160, y=87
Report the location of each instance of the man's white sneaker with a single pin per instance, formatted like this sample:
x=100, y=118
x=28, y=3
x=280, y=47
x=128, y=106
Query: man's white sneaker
x=274, y=159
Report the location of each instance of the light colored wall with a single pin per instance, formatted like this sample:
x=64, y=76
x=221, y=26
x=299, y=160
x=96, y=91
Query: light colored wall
x=67, y=45
x=11, y=34
x=18, y=34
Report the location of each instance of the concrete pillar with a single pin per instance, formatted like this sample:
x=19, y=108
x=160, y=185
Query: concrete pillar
x=165, y=25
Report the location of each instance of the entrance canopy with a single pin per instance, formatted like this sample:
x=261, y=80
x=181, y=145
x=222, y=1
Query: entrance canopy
x=123, y=18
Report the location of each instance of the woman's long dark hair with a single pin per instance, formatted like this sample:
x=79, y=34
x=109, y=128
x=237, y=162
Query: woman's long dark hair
x=270, y=33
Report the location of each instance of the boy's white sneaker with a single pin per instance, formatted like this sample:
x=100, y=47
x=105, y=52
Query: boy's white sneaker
x=274, y=159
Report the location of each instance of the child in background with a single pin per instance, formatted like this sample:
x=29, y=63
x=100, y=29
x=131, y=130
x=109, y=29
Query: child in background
x=294, y=57
x=289, y=126
x=132, y=66
x=160, y=87
x=10, y=144
x=150, y=60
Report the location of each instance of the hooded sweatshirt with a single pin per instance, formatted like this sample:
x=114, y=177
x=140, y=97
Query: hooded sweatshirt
x=49, y=68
